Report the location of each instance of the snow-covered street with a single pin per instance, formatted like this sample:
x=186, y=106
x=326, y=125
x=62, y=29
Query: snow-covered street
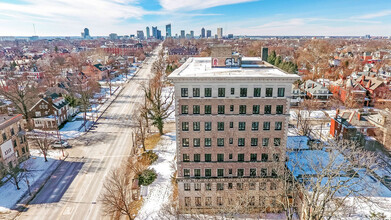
x=160, y=190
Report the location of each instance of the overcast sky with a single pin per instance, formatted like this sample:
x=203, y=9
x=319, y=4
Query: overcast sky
x=239, y=17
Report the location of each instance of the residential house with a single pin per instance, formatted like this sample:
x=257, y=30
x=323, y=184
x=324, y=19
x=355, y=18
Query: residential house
x=376, y=87
x=50, y=112
x=316, y=90
x=96, y=72
x=349, y=92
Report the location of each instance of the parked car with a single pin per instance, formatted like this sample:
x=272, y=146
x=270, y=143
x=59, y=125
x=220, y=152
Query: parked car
x=61, y=144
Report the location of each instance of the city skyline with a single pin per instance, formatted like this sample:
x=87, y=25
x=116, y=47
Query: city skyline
x=239, y=17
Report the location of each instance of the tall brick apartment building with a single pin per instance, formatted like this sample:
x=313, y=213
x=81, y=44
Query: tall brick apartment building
x=232, y=117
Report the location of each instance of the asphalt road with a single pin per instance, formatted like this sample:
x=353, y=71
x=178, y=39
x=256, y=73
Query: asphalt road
x=73, y=190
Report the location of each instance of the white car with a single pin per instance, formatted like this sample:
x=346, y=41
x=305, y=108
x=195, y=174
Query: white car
x=61, y=144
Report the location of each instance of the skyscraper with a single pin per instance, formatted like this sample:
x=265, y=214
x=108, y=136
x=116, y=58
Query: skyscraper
x=202, y=32
x=86, y=34
x=154, y=31
x=191, y=34
x=140, y=35
x=158, y=34
x=168, y=30
x=219, y=33
x=148, y=33
x=113, y=36
x=182, y=33
x=208, y=33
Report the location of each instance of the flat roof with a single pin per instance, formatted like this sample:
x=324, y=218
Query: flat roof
x=201, y=67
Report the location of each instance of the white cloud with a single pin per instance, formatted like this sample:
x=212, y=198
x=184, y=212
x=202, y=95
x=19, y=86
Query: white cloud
x=189, y=5
x=374, y=15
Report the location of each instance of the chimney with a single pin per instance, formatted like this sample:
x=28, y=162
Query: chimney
x=337, y=113
x=324, y=84
x=363, y=78
x=359, y=115
x=313, y=85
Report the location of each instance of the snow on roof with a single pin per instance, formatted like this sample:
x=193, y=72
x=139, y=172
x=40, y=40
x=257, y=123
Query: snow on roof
x=201, y=67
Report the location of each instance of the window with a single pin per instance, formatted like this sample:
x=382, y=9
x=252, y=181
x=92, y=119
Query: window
x=185, y=109
x=208, y=157
x=242, y=109
x=185, y=142
x=221, y=92
x=278, y=126
x=208, y=201
x=196, y=126
x=186, y=158
x=208, y=126
x=196, y=109
x=208, y=142
x=220, y=157
x=269, y=92
x=208, y=172
x=279, y=109
x=241, y=142
x=196, y=142
x=243, y=92
x=221, y=109
x=208, y=92
x=4, y=136
x=197, y=157
x=240, y=157
x=208, y=109
x=281, y=92
x=230, y=156
x=257, y=92
x=264, y=157
x=264, y=172
x=255, y=109
x=197, y=186
x=219, y=201
x=187, y=186
x=184, y=92
x=208, y=187
x=277, y=142
x=253, y=157
x=220, y=126
x=187, y=201
x=220, y=142
x=254, y=126
x=274, y=173
x=220, y=172
x=276, y=157
x=268, y=109
x=12, y=131
x=197, y=172
x=220, y=186
x=230, y=185
x=231, y=125
x=231, y=141
x=241, y=173
x=252, y=186
x=186, y=172
x=196, y=92
x=185, y=126
x=266, y=126
x=231, y=108
x=253, y=173
x=265, y=142
x=37, y=114
x=242, y=126
x=254, y=142
x=262, y=186
x=232, y=91
x=273, y=186
x=198, y=201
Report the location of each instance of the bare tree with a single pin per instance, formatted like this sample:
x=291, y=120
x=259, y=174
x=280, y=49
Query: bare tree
x=141, y=125
x=17, y=175
x=326, y=180
x=117, y=194
x=22, y=92
x=158, y=102
x=43, y=143
x=303, y=116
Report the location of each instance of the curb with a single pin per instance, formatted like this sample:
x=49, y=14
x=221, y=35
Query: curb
x=23, y=202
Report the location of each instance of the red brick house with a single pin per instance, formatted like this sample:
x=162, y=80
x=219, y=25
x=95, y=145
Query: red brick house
x=50, y=112
x=349, y=92
x=376, y=87
x=96, y=72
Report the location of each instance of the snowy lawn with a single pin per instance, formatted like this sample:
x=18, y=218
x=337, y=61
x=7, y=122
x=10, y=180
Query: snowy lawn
x=38, y=169
x=160, y=190
x=305, y=114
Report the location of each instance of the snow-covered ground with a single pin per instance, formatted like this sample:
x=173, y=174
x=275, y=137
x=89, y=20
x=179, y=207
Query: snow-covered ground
x=305, y=114
x=160, y=190
x=38, y=169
